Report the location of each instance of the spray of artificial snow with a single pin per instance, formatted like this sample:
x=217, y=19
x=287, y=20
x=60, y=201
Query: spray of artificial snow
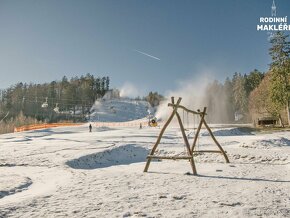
x=196, y=94
x=128, y=90
x=191, y=93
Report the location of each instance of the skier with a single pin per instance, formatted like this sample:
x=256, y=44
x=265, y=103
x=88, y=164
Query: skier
x=90, y=127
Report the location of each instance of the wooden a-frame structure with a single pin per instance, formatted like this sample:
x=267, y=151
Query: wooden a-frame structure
x=190, y=150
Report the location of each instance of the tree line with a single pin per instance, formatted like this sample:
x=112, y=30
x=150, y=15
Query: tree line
x=273, y=94
x=249, y=97
x=68, y=99
x=228, y=102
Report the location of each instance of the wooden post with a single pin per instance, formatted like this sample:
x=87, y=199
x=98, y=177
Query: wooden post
x=162, y=132
x=198, y=130
x=202, y=121
x=214, y=139
x=186, y=144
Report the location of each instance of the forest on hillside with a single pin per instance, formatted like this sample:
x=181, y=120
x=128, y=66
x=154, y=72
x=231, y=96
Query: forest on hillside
x=257, y=95
x=65, y=100
x=272, y=96
x=228, y=102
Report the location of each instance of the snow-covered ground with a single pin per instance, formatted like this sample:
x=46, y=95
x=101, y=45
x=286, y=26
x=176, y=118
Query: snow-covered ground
x=119, y=110
x=69, y=172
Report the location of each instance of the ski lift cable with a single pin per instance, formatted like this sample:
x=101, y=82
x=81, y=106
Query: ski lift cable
x=5, y=116
x=49, y=98
x=66, y=104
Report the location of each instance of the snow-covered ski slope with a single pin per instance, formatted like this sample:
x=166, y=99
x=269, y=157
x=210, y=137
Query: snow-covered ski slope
x=70, y=172
x=119, y=110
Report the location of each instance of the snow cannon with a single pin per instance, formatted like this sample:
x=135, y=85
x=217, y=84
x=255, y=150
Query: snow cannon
x=153, y=122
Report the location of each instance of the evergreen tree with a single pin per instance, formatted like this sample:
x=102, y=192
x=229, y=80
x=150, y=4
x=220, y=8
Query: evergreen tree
x=107, y=83
x=280, y=68
x=228, y=94
x=253, y=80
x=239, y=94
x=98, y=86
x=103, y=86
x=154, y=98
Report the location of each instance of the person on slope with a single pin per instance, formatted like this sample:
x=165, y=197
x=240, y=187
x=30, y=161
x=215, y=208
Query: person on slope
x=90, y=127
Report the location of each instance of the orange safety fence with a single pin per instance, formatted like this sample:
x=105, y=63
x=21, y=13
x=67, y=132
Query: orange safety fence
x=43, y=126
x=120, y=124
x=134, y=123
x=96, y=124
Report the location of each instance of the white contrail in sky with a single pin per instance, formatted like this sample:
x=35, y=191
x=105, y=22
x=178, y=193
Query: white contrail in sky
x=148, y=55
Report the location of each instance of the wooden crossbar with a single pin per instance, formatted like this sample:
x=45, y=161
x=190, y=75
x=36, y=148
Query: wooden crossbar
x=185, y=109
x=207, y=151
x=169, y=157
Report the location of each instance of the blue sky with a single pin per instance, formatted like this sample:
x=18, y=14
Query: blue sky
x=43, y=40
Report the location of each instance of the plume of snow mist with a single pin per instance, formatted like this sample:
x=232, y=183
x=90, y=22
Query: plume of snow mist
x=197, y=94
x=128, y=90
x=192, y=94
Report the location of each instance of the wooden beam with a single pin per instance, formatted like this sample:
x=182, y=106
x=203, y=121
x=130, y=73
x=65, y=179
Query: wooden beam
x=169, y=157
x=198, y=130
x=162, y=132
x=184, y=108
x=186, y=144
x=206, y=151
x=214, y=139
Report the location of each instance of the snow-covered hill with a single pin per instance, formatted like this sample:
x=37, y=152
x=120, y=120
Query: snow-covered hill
x=119, y=110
